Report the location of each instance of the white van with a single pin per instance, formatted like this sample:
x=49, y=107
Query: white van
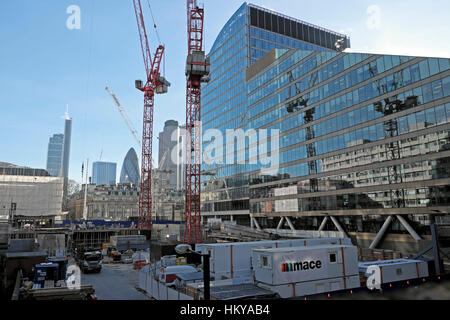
x=168, y=275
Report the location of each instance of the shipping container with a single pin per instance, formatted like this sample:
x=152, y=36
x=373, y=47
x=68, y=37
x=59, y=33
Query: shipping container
x=233, y=260
x=396, y=270
x=304, y=271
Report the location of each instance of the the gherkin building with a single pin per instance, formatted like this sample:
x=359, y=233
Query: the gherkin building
x=130, y=168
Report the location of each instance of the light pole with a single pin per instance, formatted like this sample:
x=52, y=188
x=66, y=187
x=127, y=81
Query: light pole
x=186, y=248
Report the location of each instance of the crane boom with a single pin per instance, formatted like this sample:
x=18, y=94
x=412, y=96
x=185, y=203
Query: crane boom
x=124, y=117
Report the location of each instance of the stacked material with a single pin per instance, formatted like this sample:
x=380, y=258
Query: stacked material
x=63, y=293
x=123, y=243
x=4, y=235
x=378, y=254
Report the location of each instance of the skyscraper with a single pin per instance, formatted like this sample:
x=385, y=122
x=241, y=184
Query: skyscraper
x=55, y=155
x=248, y=35
x=104, y=173
x=66, y=156
x=167, y=144
x=130, y=168
x=67, y=141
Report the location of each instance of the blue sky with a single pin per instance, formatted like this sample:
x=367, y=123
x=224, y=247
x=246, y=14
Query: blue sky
x=44, y=65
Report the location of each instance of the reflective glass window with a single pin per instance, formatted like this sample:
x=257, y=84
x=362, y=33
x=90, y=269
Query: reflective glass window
x=437, y=89
x=430, y=117
x=420, y=117
x=446, y=86
x=415, y=73
x=440, y=114
x=387, y=62
x=444, y=64
x=447, y=111
x=427, y=93
x=424, y=70
x=434, y=66
x=403, y=125
x=412, y=121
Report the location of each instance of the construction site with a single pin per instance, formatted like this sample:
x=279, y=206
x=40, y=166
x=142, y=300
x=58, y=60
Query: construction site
x=351, y=212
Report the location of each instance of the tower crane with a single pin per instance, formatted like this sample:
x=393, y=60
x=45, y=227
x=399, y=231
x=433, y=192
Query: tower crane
x=197, y=72
x=133, y=131
x=124, y=117
x=154, y=83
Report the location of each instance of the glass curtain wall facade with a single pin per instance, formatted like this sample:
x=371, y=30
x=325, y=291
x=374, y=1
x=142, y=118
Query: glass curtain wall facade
x=55, y=155
x=104, y=173
x=368, y=137
x=250, y=34
x=130, y=168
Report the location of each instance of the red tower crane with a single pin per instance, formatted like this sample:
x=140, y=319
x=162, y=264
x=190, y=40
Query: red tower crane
x=155, y=83
x=197, y=72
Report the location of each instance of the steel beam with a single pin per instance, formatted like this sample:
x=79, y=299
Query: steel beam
x=323, y=224
x=381, y=233
x=290, y=223
x=409, y=228
x=338, y=225
x=280, y=224
x=436, y=254
x=256, y=224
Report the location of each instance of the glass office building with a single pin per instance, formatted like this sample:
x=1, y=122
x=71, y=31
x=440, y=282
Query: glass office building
x=104, y=173
x=55, y=155
x=361, y=137
x=130, y=168
x=249, y=35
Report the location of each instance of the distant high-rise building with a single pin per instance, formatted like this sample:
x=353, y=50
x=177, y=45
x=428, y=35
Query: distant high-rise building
x=104, y=173
x=66, y=155
x=55, y=155
x=130, y=168
x=67, y=139
x=167, y=143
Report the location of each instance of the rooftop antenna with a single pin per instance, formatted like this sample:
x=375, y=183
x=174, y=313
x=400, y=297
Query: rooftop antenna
x=66, y=115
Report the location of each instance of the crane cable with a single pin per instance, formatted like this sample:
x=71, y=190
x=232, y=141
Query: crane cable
x=154, y=23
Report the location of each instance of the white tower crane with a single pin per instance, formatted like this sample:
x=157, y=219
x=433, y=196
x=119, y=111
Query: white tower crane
x=127, y=121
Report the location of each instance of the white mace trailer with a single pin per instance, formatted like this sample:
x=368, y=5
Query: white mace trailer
x=391, y=271
x=305, y=271
x=233, y=260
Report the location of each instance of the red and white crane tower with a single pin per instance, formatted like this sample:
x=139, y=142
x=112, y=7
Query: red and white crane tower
x=197, y=72
x=155, y=83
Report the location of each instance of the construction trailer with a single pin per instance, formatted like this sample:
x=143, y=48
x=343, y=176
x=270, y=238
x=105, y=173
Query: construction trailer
x=304, y=271
x=392, y=271
x=233, y=260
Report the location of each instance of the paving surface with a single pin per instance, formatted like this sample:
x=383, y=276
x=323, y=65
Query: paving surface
x=114, y=282
x=427, y=291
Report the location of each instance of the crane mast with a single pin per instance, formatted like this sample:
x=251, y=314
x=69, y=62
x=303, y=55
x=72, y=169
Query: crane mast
x=155, y=83
x=197, y=72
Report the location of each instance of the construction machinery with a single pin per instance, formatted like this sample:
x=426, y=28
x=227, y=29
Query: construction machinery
x=155, y=83
x=197, y=72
